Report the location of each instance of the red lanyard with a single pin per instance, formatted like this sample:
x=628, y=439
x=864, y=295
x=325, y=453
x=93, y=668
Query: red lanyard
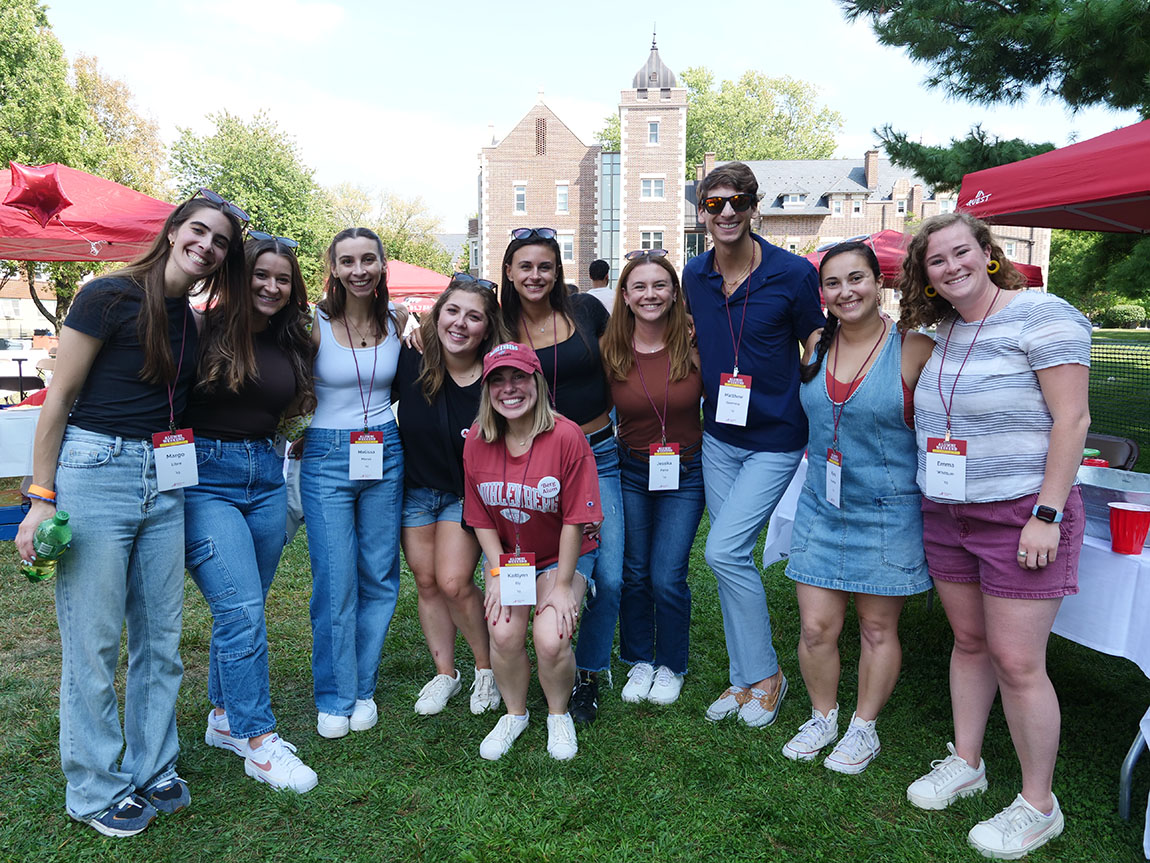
x=554, y=356
x=666, y=393
x=855, y=383
x=737, y=343
x=179, y=366
x=366, y=402
x=942, y=363
x=522, y=485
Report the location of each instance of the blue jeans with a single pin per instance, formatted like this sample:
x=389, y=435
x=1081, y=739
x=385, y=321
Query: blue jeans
x=353, y=540
x=597, y=628
x=743, y=486
x=234, y=534
x=655, y=607
x=126, y=564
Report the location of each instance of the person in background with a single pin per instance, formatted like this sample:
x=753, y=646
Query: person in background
x=858, y=525
x=564, y=332
x=1001, y=415
x=438, y=394
x=752, y=303
x=656, y=387
x=125, y=366
x=600, y=274
x=255, y=366
x=531, y=488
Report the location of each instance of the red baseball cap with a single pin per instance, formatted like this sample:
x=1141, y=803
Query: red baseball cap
x=513, y=354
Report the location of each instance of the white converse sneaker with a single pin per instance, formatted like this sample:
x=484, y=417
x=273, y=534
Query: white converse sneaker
x=1016, y=830
x=274, y=761
x=219, y=735
x=639, y=680
x=667, y=686
x=484, y=691
x=436, y=692
x=498, y=741
x=856, y=750
x=561, y=742
x=949, y=779
x=364, y=715
x=813, y=735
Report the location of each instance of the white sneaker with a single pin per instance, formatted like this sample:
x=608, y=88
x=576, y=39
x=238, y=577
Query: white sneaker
x=762, y=709
x=667, y=686
x=639, y=680
x=274, y=761
x=813, y=735
x=435, y=693
x=733, y=698
x=498, y=741
x=364, y=716
x=331, y=726
x=484, y=692
x=1016, y=830
x=949, y=779
x=856, y=750
x=561, y=742
x=219, y=735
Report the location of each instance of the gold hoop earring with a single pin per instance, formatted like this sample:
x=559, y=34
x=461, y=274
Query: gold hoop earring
x=930, y=291
x=992, y=266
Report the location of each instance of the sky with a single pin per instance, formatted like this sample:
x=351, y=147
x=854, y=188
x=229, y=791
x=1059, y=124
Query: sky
x=400, y=97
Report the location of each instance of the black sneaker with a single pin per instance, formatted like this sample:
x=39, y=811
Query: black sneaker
x=584, y=706
x=126, y=818
x=170, y=795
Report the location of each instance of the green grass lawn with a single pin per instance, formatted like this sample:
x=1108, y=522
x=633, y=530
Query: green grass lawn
x=648, y=784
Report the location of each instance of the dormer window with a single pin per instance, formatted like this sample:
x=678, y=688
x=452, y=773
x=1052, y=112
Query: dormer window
x=793, y=200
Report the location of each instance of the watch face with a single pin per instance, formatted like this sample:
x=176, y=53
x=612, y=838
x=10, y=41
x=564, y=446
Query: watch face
x=1046, y=513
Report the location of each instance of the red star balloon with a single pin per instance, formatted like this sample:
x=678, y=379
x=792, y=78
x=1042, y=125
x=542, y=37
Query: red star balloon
x=37, y=191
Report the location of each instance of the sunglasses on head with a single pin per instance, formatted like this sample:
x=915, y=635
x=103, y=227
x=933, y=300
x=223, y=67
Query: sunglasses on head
x=528, y=233
x=469, y=279
x=740, y=203
x=264, y=235
x=217, y=198
x=645, y=253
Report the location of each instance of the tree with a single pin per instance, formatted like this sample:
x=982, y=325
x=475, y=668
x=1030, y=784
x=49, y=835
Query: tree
x=944, y=167
x=610, y=136
x=408, y=233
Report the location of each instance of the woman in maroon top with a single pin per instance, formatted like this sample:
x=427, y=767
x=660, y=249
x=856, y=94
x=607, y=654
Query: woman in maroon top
x=656, y=386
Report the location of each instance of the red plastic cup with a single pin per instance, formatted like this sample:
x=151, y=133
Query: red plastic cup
x=1129, y=524
x=1095, y=462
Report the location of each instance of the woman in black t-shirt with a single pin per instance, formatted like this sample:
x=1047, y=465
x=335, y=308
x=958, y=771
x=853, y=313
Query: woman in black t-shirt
x=255, y=366
x=438, y=397
x=123, y=371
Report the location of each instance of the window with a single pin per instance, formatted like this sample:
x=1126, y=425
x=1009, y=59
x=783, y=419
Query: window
x=520, y=198
x=856, y=207
x=561, y=195
x=695, y=243
x=946, y=205
x=567, y=247
x=652, y=131
x=474, y=254
x=900, y=206
x=836, y=207
x=650, y=239
x=651, y=188
x=793, y=248
x=1009, y=247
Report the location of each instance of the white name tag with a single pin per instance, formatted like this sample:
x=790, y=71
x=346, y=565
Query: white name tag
x=834, y=477
x=517, y=579
x=366, y=461
x=946, y=469
x=734, y=399
x=175, y=453
x=664, y=473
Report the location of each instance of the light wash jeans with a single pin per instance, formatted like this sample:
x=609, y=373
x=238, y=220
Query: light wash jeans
x=353, y=538
x=597, y=628
x=743, y=486
x=126, y=564
x=234, y=535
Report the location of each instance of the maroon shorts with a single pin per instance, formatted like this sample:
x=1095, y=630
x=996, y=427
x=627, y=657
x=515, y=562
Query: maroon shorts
x=977, y=543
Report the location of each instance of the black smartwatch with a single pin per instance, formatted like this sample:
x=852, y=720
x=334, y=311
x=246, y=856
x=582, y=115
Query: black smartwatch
x=1047, y=513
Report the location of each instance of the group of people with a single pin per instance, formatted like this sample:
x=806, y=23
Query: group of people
x=554, y=439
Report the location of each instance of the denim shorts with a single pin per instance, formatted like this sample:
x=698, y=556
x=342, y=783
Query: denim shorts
x=977, y=543
x=424, y=506
x=584, y=566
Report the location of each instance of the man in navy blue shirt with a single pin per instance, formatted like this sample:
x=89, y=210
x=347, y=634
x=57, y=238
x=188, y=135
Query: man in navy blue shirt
x=753, y=305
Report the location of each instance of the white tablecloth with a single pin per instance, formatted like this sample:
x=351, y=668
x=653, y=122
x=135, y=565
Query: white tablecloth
x=17, y=428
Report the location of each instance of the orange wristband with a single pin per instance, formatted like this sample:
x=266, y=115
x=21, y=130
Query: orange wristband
x=494, y=571
x=41, y=492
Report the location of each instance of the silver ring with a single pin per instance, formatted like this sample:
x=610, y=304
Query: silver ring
x=1022, y=554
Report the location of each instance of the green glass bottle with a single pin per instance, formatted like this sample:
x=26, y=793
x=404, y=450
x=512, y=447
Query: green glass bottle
x=52, y=538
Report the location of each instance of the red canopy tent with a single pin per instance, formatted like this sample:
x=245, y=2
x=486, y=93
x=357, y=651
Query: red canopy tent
x=94, y=219
x=890, y=248
x=1102, y=184
x=415, y=287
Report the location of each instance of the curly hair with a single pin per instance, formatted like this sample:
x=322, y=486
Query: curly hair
x=916, y=309
x=432, y=369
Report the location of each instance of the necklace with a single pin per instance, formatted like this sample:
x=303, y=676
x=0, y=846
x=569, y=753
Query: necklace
x=733, y=284
x=359, y=333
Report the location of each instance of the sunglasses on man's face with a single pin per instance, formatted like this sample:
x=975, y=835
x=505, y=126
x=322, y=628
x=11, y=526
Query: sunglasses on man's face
x=283, y=241
x=528, y=233
x=645, y=253
x=740, y=203
x=470, y=279
x=217, y=198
